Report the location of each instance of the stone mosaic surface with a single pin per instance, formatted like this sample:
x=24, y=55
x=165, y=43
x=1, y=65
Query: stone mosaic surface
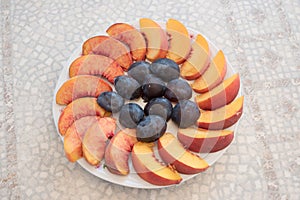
x=261, y=38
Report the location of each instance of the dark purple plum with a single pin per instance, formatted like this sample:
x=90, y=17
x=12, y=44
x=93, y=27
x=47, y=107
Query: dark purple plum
x=127, y=87
x=139, y=70
x=177, y=90
x=152, y=87
x=151, y=128
x=165, y=68
x=159, y=106
x=130, y=115
x=185, y=113
x=110, y=101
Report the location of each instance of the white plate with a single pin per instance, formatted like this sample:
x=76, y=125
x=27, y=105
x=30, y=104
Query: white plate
x=133, y=180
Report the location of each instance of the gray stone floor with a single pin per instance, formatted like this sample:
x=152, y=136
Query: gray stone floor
x=260, y=38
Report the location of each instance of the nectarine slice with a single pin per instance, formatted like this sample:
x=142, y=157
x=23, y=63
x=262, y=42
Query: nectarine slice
x=223, y=117
x=118, y=150
x=156, y=38
x=213, y=76
x=205, y=141
x=198, y=61
x=130, y=36
x=179, y=42
x=81, y=86
x=150, y=169
x=95, y=138
x=172, y=152
x=74, y=135
x=96, y=65
x=220, y=95
x=110, y=47
x=77, y=109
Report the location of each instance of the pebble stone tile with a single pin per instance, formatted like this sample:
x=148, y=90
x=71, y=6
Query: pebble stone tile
x=261, y=38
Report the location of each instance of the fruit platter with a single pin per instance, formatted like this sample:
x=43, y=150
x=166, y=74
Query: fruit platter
x=147, y=106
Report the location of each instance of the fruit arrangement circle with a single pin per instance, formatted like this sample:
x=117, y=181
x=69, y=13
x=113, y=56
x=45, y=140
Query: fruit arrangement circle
x=78, y=88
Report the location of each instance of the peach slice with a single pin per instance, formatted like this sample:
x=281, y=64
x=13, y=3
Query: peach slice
x=179, y=42
x=110, y=47
x=74, y=135
x=81, y=86
x=77, y=109
x=156, y=38
x=173, y=152
x=95, y=138
x=205, y=141
x=150, y=169
x=118, y=150
x=130, y=36
x=213, y=76
x=221, y=95
x=198, y=61
x=96, y=65
x=223, y=117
